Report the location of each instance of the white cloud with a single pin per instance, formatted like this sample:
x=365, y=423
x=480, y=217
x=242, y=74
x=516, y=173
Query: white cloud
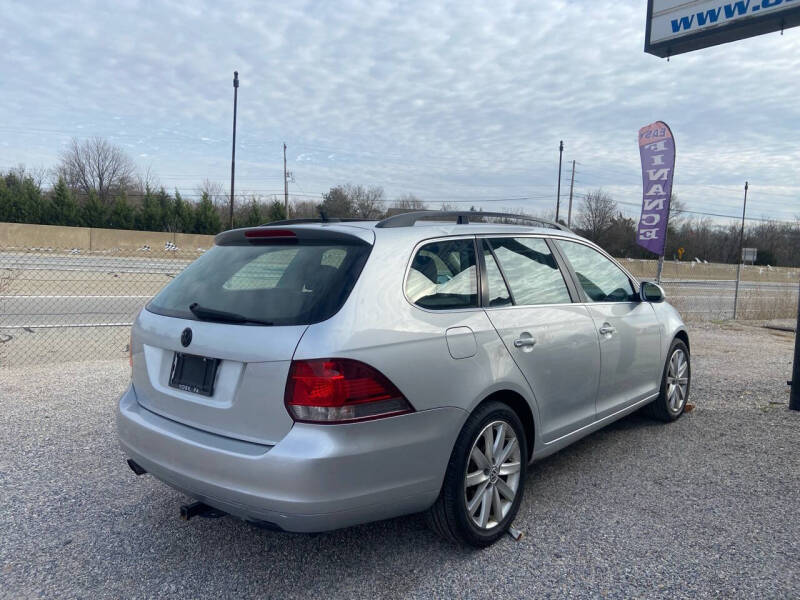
x=443, y=99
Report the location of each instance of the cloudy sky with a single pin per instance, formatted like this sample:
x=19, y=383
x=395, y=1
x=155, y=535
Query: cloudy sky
x=462, y=102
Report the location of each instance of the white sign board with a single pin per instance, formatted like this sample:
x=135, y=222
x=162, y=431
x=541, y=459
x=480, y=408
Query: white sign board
x=677, y=26
x=749, y=255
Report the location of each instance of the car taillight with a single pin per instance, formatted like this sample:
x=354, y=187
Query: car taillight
x=340, y=390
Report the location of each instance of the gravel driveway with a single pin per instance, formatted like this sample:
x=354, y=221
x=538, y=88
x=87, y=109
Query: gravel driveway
x=705, y=507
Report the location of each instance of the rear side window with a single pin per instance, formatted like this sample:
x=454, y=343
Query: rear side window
x=281, y=284
x=601, y=279
x=531, y=271
x=443, y=275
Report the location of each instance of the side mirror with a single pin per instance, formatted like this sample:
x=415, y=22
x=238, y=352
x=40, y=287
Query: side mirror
x=651, y=292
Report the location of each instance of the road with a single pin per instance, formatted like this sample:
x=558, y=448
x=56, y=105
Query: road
x=82, y=311
x=714, y=298
x=93, y=264
x=81, y=291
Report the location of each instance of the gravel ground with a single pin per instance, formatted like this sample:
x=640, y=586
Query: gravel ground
x=703, y=508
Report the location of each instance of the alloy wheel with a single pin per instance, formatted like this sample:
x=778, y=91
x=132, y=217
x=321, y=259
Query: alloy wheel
x=677, y=381
x=492, y=476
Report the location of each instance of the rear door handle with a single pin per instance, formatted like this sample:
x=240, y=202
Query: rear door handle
x=526, y=342
x=607, y=329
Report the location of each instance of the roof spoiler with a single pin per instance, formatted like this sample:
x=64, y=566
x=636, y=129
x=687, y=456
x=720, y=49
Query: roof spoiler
x=286, y=235
x=317, y=220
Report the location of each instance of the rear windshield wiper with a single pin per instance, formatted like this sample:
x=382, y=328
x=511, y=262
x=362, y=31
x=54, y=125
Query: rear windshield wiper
x=210, y=314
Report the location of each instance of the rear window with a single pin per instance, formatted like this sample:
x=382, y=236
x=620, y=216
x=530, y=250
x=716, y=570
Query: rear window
x=295, y=284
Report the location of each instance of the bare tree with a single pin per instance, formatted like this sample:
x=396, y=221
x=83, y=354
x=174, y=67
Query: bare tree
x=677, y=212
x=337, y=203
x=303, y=209
x=96, y=166
x=214, y=190
x=147, y=181
x=368, y=201
x=353, y=201
x=597, y=214
x=409, y=202
x=37, y=175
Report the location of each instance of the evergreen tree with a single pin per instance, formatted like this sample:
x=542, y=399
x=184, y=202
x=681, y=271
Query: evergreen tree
x=123, y=215
x=5, y=202
x=206, y=217
x=63, y=208
x=149, y=217
x=21, y=200
x=166, y=204
x=93, y=213
x=183, y=214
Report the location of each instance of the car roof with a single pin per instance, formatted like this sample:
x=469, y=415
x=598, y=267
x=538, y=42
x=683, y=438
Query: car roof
x=368, y=230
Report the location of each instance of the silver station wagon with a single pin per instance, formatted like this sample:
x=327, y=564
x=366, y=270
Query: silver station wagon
x=308, y=376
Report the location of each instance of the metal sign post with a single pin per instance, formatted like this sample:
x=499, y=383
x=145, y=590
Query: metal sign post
x=794, y=396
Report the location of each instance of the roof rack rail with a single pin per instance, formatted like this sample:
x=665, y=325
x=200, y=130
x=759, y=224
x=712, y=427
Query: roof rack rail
x=409, y=219
x=317, y=220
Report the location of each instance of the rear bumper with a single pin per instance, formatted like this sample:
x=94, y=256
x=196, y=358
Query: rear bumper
x=317, y=478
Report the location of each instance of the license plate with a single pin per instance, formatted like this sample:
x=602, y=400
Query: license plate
x=194, y=374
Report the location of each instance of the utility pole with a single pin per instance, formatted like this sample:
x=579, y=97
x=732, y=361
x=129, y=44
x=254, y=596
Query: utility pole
x=558, y=194
x=571, y=186
x=741, y=247
x=285, y=184
x=233, y=146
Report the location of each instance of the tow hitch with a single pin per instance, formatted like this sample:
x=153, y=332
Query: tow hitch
x=200, y=509
x=136, y=467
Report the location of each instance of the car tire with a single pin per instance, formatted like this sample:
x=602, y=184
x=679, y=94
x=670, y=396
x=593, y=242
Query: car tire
x=474, y=507
x=676, y=382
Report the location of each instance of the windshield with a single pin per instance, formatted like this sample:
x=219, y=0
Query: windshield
x=280, y=284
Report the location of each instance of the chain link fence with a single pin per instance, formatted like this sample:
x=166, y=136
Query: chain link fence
x=58, y=305
x=65, y=305
x=706, y=291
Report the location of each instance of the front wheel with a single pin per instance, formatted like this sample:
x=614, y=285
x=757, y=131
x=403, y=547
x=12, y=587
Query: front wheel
x=485, y=478
x=675, y=384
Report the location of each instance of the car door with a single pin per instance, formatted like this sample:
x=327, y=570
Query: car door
x=629, y=332
x=552, y=340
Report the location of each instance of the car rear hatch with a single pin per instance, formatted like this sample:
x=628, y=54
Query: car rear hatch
x=213, y=349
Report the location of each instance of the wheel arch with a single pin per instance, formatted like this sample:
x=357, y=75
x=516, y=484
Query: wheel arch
x=683, y=336
x=519, y=405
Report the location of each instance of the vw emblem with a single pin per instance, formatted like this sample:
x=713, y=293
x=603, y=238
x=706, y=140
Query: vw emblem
x=186, y=337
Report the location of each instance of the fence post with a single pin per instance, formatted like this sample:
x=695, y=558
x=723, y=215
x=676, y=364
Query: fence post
x=736, y=291
x=741, y=253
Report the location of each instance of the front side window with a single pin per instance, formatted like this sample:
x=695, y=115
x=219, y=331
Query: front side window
x=601, y=279
x=531, y=271
x=443, y=276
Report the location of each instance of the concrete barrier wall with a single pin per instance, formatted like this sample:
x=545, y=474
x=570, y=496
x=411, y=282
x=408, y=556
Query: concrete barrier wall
x=21, y=235
x=193, y=241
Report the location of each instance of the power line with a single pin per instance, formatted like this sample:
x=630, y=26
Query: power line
x=707, y=214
